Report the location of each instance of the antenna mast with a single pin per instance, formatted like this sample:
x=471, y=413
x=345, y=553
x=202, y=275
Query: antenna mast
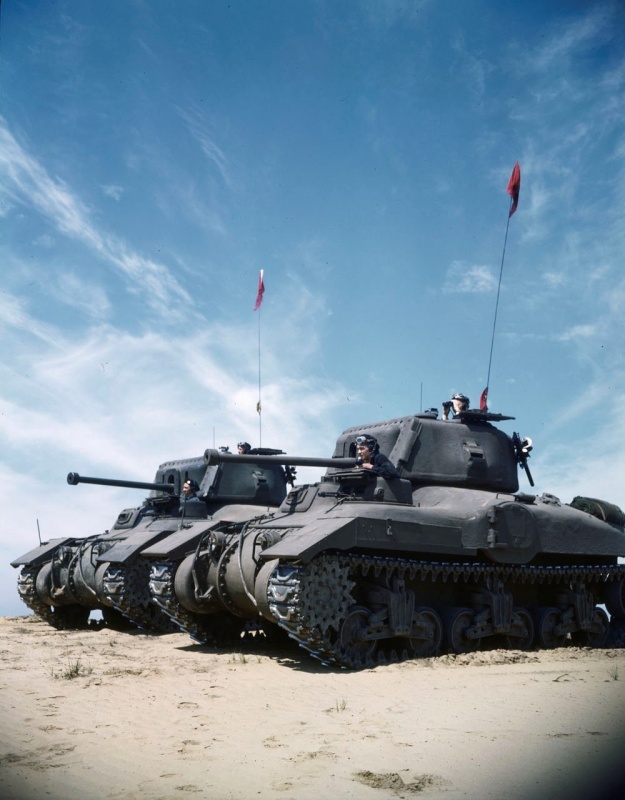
x=257, y=305
x=514, y=186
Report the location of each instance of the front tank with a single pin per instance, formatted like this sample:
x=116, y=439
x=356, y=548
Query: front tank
x=361, y=570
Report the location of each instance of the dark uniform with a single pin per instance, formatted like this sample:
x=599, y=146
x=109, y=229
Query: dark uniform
x=383, y=466
x=380, y=464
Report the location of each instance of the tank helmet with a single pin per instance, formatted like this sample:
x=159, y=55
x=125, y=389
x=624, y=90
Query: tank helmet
x=245, y=446
x=368, y=441
x=463, y=399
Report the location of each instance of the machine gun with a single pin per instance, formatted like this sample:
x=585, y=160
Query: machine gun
x=74, y=479
x=522, y=449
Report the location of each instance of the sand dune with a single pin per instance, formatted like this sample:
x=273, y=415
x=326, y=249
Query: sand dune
x=100, y=714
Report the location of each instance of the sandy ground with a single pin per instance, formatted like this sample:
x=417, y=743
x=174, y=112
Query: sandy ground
x=101, y=714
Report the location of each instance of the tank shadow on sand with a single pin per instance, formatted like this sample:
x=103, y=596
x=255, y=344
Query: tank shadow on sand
x=279, y=649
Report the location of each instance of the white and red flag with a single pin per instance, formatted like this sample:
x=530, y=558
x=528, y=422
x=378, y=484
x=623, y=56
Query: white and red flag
x=514, y=187
x=261, y=290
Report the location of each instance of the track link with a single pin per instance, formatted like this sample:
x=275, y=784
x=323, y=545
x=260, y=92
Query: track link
x=127, y=587
x=202, y=628
x=68, y=617
x=26, y=581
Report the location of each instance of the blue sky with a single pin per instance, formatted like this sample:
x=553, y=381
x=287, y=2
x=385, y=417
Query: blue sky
x=154, y=156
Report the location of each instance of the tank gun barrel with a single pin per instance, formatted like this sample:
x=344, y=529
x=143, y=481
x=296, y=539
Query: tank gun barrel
x=213, y=457
x=74, y=479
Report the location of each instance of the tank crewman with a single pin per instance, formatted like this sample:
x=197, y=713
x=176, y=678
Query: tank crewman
x=369, y=457
x=190, y=504
x=243, y=448
x=459, y=402
x=189, y=489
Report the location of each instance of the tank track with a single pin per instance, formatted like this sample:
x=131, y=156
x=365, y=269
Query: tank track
x=163, y=595
x=126, y=587
x=311, y=601
x=202, y=628
x=63, y=617
x=26, y=590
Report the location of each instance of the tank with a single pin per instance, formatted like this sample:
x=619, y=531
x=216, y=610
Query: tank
x=448, y=556
x=189, y=568
x=64, y=580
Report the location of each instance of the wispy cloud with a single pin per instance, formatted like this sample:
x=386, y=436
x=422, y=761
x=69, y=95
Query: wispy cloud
x=30, y=185
x=579, y=466
x=14, y=315
x=574, y=120
x=554, y=279
x=392, y=12
x=474, y=71
x=578, y=332
x=83, y=295
x=115, y=398
x=45, y=240
x=201, y=130
x=568, y=41
x=113, y=191
x=463, y=278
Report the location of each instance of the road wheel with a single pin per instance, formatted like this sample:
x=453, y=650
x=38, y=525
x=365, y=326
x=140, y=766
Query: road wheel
x=351, y=644
x=458, y=621
x=428, y=634
x=546, y=621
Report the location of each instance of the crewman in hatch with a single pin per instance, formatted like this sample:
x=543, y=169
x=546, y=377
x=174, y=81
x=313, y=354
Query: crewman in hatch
x=459, y=402
x=369, y=457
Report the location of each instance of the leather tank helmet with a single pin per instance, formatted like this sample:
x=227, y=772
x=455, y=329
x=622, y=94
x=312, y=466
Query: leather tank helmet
x=368, y=441
x=463, y=399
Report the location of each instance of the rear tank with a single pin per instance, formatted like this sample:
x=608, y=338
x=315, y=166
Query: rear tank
x=64, y=579
x=362, y=570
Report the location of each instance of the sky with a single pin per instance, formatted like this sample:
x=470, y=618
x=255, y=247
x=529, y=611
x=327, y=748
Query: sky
x=156, y=154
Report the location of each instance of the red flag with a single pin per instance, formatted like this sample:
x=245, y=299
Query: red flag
x=261, y=290
x=514, y=187
x=483, y=400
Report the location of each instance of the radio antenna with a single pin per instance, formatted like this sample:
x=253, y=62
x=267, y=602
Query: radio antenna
x=513, y=189
x=257, y=305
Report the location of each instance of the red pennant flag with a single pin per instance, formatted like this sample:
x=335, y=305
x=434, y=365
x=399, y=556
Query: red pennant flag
x=261, y=290
x=483, y=400
x=514, y=187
